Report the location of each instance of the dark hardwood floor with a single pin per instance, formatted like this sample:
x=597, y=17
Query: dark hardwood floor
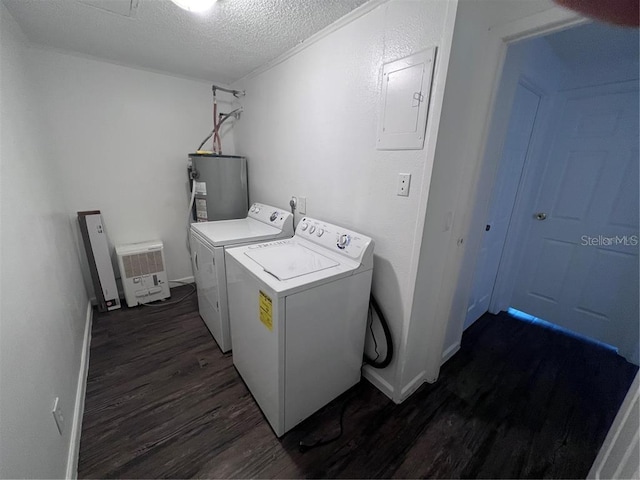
x=517, y=401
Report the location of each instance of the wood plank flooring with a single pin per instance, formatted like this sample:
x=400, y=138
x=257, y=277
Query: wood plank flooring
x=517, y=401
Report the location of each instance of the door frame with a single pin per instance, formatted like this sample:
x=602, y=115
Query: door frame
x=501, y=37
x=531, y=86
x=456, y=287
x=616, y=457
x=509, y=259
x=539, y=124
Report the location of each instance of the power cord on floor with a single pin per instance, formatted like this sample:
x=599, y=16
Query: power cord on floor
x=304, y=446
x=374, y=362
x=168, y=304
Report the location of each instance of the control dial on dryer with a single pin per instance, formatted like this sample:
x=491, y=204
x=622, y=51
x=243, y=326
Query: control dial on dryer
x=312, y=229
x=273, y=216
x=304, y=226
x=343, y=241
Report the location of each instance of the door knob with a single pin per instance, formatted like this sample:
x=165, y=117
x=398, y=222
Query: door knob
x=541, y=216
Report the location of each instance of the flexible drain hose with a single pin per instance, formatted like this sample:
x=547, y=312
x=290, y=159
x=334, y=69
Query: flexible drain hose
x=387, y=336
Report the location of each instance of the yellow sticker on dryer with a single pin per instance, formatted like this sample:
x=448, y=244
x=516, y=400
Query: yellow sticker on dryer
x=266, y=311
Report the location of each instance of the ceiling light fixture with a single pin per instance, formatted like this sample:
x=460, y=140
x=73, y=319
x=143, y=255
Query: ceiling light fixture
x=195, y=5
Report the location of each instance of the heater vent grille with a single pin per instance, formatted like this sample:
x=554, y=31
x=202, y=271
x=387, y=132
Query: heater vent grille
x=142, y=263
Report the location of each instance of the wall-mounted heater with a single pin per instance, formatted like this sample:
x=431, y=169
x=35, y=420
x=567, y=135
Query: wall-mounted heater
x=99, y=258
x=142, y=270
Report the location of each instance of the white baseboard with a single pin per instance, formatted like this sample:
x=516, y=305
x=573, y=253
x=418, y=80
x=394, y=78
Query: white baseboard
x=450, y=352
x=81, y=390
x=412, y=386
x=377, y=381
x=190, y=279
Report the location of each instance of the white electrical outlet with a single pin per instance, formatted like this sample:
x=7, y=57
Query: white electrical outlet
x=404, y=180
x=302, y=205
x=57, y=415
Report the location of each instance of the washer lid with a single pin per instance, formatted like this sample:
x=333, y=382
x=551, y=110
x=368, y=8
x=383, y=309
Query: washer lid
x=230, y=232
x=289, y=260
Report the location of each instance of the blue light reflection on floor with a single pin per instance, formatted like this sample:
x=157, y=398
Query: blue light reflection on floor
x=543, y=323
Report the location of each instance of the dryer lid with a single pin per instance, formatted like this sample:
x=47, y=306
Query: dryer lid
x=289, y=260
x=230, y=232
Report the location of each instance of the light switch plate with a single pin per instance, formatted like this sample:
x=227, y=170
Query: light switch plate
x=302, y=205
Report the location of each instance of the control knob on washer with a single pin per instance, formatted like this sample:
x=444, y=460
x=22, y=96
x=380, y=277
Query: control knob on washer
x=304, y=226
x=320, y=232
x=273, y=216
x=312, y=229
x=343, y=241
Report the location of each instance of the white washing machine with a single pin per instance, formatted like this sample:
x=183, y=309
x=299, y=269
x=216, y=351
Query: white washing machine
x=208, y=243
x=298, y=311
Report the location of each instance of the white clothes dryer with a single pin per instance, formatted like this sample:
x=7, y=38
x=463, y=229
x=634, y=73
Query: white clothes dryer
x=208, y=243
x=298, y=310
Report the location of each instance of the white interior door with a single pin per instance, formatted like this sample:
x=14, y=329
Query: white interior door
x=579, y=266
x=518, y=137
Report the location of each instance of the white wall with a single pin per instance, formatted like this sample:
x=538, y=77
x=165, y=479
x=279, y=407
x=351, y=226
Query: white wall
x=43, y=304
x=309, y=129
x=598, y=53
x=606, y=71
x=120, y=137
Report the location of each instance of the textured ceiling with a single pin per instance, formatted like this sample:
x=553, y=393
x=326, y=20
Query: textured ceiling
x=221, y=45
